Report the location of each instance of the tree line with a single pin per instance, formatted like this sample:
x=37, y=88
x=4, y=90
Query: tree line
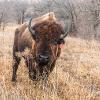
x=77, y=16
x=12, y=11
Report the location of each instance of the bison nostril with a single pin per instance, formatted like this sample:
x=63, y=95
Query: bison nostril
x=43, y=57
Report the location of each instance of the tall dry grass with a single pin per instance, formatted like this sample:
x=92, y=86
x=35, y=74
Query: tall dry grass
x=76, y=75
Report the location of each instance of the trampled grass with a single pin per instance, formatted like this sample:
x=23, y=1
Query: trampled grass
x=76, y=75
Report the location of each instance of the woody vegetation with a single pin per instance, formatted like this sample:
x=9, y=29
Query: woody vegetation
x=79, y=17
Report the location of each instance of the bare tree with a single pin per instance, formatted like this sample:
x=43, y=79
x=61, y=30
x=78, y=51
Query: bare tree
x=63, y=9
x=3, y=14
x=77, y=16
x=20, y=8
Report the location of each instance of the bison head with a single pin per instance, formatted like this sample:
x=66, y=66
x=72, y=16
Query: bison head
x=47, y=35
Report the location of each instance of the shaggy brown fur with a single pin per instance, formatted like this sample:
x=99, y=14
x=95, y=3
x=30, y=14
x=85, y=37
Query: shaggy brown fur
x=47, y=31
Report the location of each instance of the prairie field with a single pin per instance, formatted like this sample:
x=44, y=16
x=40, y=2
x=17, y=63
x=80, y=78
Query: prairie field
x=76, y=75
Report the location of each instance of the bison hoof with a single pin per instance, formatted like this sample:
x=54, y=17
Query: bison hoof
x=14, y=80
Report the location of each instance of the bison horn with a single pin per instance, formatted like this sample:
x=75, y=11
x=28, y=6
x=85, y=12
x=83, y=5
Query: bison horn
x=30, y=28
x=64, y=35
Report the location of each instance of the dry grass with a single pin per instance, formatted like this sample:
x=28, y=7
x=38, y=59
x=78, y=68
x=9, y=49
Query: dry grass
x=75, y=77
x=9, y=28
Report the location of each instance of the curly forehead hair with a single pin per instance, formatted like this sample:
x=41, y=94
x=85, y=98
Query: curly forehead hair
x=50, y=28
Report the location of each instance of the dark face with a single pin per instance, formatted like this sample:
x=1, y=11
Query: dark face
x=47, y=35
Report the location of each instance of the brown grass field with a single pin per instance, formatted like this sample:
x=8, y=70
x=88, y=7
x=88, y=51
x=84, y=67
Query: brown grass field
x=76, y=75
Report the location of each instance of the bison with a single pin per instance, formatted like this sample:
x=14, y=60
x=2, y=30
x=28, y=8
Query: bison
x=42, y=36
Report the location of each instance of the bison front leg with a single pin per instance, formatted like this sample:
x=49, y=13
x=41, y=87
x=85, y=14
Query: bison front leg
x=31, y=66
x=16, y=62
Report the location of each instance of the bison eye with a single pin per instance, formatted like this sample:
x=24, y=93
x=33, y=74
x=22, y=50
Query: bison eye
x=58, y=42
x=54, y=42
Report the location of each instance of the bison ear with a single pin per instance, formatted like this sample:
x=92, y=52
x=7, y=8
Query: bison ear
x=61, y=41
x=33, y=32
x=33, y=36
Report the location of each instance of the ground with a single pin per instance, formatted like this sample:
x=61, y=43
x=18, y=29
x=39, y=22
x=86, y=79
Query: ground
x=76, y=75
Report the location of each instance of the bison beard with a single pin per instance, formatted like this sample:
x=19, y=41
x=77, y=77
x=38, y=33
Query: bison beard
x=43, y=45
